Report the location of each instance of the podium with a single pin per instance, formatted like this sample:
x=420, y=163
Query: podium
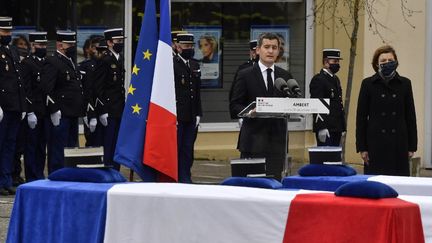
x=281, y=108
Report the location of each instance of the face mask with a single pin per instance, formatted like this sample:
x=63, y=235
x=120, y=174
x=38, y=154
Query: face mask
x=188, y=53
x=118, y=47
x=5, y=40
x=22, y=52
x=40, y=52
x=387, y=69
x=334, y=68
x=70, y=52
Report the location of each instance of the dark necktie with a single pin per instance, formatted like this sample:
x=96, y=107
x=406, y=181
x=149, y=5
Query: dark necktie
x=269, y=81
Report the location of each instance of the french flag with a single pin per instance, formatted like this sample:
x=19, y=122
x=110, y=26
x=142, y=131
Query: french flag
x=160, y=151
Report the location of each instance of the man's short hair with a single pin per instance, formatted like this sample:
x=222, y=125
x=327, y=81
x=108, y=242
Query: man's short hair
x=269, y=36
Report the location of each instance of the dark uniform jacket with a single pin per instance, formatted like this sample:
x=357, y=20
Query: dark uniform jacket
x=62, y=84
x=244, y=65
x=258, y=135
x=386, y=124
x=187, y=89
x=109, y=85
x=31, y=67
x=87, y=68
x=323, y=85
x=12, y=93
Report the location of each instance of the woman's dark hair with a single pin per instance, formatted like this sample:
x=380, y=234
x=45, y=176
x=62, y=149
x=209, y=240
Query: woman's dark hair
x=379, y=51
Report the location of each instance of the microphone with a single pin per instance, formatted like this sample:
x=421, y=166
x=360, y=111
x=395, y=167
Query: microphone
x=294, y=87
x=281, y=85
x=290, y=88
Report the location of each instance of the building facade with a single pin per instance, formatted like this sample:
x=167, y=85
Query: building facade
x=230, y=25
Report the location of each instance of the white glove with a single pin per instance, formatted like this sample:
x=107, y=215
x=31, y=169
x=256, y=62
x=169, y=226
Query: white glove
x=85, y=120
x=323, y=134
x=198, y=118
x=104, y=119
x=92, y=125
x=1, y=114
x=23, y=114
x=55, y=118
x=31, y=120
x=240, y=122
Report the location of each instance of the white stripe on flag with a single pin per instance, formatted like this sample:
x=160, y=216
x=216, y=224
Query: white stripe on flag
x=178, y=213
x=163, y=91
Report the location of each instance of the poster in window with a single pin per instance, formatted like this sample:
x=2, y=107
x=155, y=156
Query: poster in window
x=282, y=31
x=208, y=54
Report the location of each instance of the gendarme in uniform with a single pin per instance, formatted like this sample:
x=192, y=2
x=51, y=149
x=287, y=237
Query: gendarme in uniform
x=187, y=76
x=326, y=84
x=37, y=115
x=109, y=91
x=12, y=104
x=65, y=98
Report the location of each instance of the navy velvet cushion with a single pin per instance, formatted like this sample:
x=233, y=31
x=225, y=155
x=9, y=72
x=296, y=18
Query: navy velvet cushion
x=366, y=189
x=326, y=170
x=105, y=175
x=269, y=183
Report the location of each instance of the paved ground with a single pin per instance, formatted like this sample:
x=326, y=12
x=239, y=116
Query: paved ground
x=203, y=172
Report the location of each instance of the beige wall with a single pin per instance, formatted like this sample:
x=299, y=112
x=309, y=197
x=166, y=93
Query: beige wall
x=409, y=44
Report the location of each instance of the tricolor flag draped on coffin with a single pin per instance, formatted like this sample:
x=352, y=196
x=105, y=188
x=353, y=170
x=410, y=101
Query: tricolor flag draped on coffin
x=147, y=140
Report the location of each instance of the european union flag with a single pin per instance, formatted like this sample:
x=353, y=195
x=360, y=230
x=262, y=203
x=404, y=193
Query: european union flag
x=130, y=141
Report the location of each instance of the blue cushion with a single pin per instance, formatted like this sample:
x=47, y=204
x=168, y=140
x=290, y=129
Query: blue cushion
x=105, y=175
x=269, y=183
x=366, y=189
x=326, y=170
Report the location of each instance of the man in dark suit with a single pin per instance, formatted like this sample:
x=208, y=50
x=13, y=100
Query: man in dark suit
x=61, y=82
x=261, y=137
x=328, y=128
x=110, y=92
x=187, y=76
x=38, y=124
x=12, y=105
x=253, y=59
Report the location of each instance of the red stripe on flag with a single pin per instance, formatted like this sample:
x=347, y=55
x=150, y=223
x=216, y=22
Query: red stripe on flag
x=327, y=218
x=160, y=147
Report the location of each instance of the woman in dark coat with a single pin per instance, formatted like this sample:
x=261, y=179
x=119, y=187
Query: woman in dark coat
x=386, y=130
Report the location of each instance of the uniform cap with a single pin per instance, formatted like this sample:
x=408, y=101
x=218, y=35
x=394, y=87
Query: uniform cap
x=38, y=37
x=66, y=36
x=102, y=45
x=116, y=33
x=253, y=44
x=6, y=23
x=175, y=33
x=331, y=53
x=185, y=38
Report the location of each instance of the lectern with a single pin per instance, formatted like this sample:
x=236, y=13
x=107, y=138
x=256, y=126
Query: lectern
x=281, y=108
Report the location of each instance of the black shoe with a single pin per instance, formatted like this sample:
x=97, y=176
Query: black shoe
x=11, y=190
x=17, y=181
x=4, y=192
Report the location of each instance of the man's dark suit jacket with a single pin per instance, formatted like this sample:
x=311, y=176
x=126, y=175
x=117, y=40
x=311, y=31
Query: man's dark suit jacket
x=258, y=135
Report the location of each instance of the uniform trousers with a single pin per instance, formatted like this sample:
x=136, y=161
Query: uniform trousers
x=95, y=138
x=8, y=133
x=110, y=134
x=61, y=136
x=35, y=150
x=186, y=134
